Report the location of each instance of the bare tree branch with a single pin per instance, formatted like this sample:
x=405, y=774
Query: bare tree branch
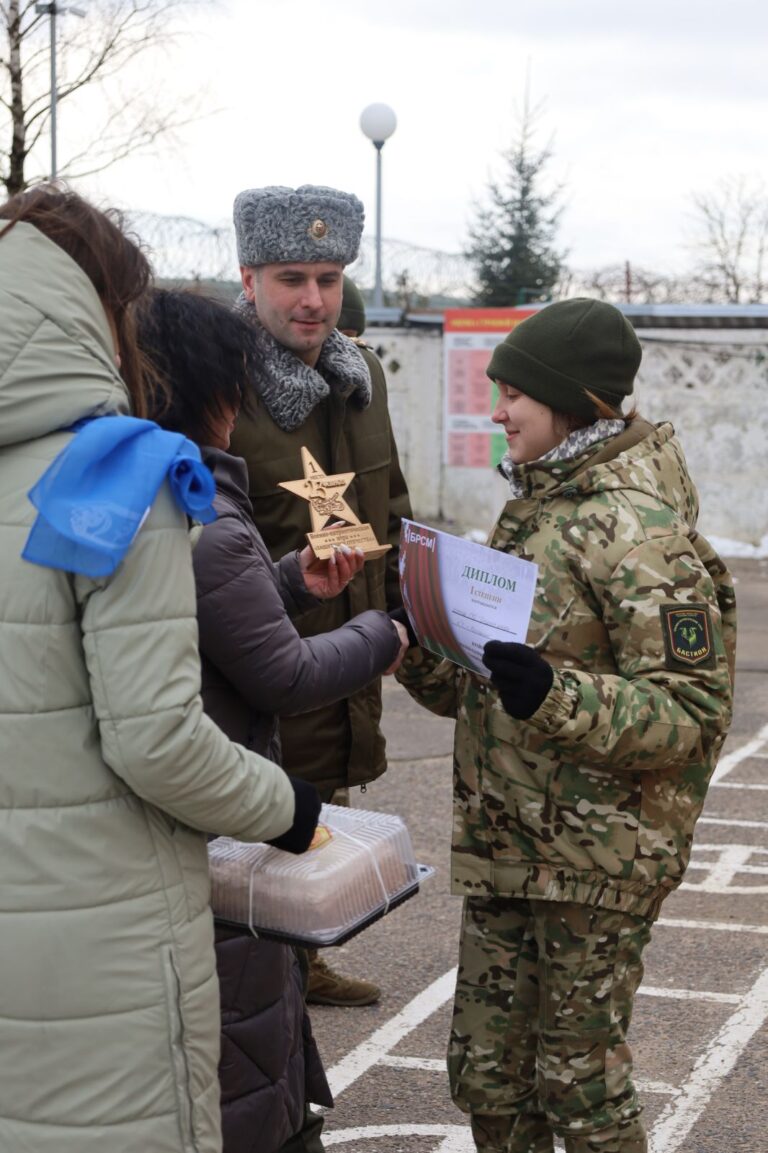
x=122, y=143
x=732, y=233
x=93, y=54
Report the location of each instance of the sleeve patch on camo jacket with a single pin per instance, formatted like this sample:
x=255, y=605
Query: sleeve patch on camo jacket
x=687, y=636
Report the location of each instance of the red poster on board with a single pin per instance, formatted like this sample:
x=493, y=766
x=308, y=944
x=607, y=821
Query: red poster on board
x=470, y=438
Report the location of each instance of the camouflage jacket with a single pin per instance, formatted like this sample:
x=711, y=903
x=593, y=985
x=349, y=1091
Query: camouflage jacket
x=595, y=797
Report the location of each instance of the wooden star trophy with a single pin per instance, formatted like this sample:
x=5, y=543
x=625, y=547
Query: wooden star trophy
x=326, y=502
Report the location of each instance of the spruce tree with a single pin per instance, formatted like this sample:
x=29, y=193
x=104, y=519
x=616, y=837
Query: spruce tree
x=512, y=240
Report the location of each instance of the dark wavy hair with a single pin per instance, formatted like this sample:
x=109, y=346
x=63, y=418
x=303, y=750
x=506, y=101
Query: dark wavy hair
x=205, y=353
x=111, y=259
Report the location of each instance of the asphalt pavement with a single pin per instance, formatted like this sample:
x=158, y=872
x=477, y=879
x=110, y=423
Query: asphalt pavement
x=700, y=1030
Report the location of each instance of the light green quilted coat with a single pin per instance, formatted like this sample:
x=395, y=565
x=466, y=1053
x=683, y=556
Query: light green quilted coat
x=110, y=775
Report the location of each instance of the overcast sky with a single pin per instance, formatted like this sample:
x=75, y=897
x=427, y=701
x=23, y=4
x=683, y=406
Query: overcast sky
x=644, y=104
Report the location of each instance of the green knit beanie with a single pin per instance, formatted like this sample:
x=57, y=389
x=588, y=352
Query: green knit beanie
x=352, y=314
x=567, y=348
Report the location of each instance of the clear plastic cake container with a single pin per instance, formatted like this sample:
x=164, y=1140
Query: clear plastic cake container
x=360, y=865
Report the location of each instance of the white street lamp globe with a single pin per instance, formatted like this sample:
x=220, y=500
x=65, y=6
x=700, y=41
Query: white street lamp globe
x=378, y=122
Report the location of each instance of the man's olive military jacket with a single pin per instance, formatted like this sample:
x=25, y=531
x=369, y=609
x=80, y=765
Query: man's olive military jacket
x=340, y=744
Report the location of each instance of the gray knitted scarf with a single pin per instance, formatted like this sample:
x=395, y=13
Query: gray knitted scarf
x=573, y=445
x=290, y=389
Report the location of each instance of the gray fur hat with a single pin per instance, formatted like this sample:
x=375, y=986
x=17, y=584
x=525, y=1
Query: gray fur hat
x=279, y=225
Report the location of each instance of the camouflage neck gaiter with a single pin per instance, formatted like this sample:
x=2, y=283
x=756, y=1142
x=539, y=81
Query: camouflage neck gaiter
x=574, y=445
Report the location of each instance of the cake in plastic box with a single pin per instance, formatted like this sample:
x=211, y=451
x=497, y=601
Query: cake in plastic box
x=359, y=865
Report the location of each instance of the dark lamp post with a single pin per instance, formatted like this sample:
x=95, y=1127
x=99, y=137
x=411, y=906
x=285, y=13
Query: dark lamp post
x=53, y=10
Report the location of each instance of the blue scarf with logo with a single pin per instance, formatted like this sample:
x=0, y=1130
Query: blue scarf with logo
x=97, y=493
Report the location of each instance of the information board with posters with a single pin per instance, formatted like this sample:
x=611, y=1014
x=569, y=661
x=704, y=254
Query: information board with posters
x=470, y=439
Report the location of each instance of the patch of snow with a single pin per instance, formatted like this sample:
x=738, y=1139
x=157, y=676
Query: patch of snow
x=739, y=548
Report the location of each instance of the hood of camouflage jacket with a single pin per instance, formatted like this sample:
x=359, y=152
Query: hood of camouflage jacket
x=642, y=459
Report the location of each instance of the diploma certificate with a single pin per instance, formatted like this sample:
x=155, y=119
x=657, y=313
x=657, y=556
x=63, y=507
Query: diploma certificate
x=459, y=594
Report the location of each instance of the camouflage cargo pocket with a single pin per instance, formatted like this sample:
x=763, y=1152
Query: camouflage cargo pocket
x=591, y=968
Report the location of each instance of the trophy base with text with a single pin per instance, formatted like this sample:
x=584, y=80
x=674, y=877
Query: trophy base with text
x=354, y=536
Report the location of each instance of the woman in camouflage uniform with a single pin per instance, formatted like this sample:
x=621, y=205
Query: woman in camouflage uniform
x=581, y=768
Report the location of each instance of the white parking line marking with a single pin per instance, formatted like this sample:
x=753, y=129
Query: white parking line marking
x=738, y=785
x=377, y=1049
x=731, y=760
x=368, y=1053
x=729, y=862
x=717, y=926
x=426, y=1064
x=685, y=1104
x=431, y=1065
x=458, y=1142
x=718, y=847
x=689, y=994
x=659, y=1087
x=732, y=821
x=715, y=1063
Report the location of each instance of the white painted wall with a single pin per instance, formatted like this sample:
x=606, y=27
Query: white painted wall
x=711, y=384
x=412, y=362
x=713, y=387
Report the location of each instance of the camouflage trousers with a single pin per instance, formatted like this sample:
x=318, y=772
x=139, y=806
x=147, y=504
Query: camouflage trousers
x=539, y=1039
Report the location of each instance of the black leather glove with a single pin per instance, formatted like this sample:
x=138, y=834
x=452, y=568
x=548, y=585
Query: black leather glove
x=401, y=616
x=298, y=838
x=520, y=676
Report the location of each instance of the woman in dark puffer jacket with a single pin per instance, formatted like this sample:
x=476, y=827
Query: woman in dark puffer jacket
x=256, y=667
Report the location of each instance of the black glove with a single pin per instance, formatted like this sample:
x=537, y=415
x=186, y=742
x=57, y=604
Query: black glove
x=401, y=616
x=298, y=838
x=520, y=676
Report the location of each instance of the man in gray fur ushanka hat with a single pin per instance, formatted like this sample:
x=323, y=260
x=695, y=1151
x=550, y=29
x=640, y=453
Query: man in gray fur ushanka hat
x=280, y=228
x=319, y=390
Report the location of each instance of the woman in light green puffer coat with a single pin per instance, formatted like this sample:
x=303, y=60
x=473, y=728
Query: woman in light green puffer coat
x=110, y=772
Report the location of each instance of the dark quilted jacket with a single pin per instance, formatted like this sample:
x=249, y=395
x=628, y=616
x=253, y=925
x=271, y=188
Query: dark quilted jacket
x=269, y=1061
x=255, y=665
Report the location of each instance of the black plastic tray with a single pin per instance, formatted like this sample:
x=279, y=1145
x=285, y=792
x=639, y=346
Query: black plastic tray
x=411, y=890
